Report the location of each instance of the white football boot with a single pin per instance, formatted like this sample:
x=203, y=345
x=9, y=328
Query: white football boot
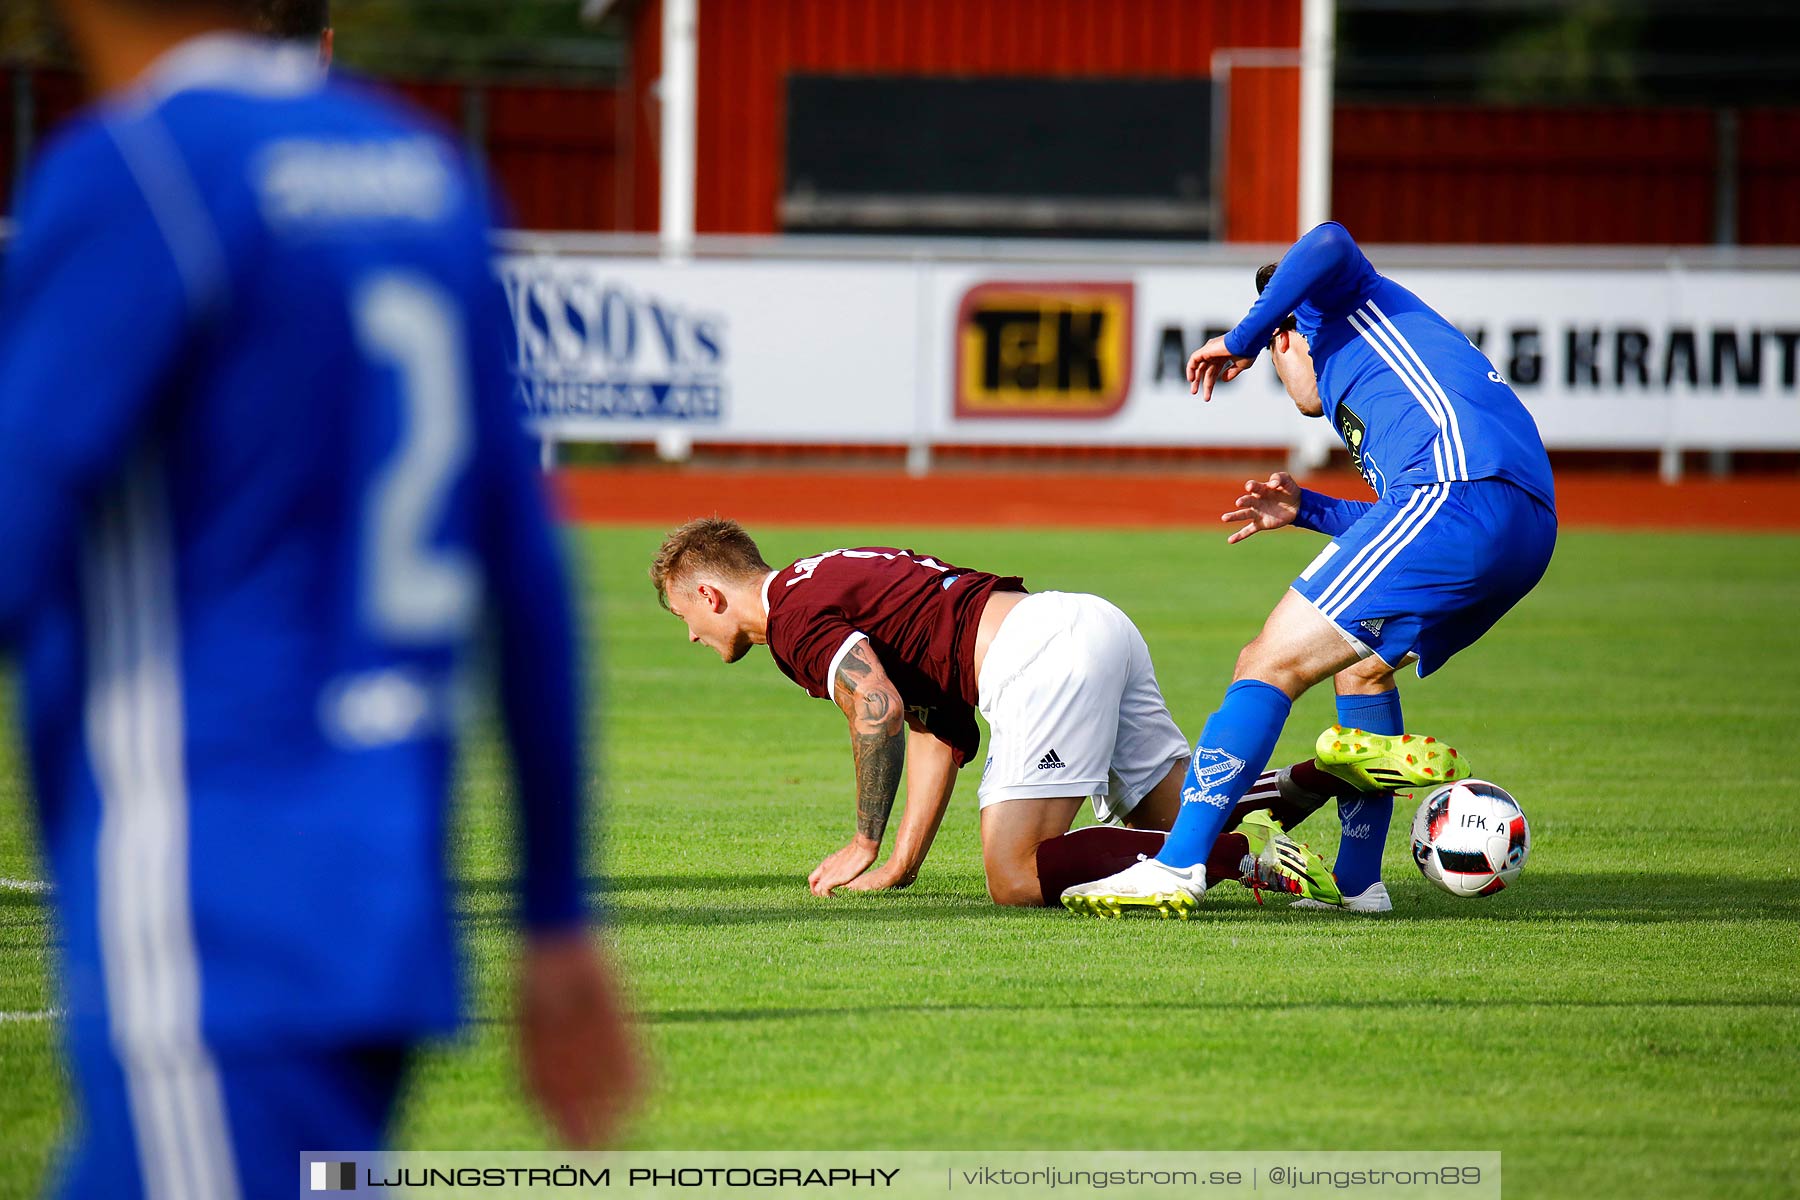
x=1167, y=891
x=1373, y=899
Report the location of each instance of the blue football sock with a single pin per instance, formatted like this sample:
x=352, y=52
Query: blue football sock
x=1232, y=751
x=1366, y=818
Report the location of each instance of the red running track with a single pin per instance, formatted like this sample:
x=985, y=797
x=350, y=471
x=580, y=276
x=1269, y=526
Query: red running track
x=659, y=495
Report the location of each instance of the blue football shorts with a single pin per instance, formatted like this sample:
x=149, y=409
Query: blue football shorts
x=1429, y=569
x=219, y=1123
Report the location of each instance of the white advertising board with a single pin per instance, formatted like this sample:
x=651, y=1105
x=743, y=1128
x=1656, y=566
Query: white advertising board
x=921, y=351
x=786, y=352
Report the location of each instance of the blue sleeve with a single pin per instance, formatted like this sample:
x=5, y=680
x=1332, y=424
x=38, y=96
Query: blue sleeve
x=1328, y=514
x=94, y=317
x=1325, y=269
x=528, y=586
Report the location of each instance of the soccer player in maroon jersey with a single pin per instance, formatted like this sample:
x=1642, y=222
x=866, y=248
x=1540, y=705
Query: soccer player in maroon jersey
x=909, y=646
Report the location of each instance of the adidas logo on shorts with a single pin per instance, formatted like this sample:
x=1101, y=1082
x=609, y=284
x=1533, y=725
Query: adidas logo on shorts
x=1050, y=762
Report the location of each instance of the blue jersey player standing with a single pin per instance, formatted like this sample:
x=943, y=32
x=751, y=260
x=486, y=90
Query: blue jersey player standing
x=260, y=479
x=1463, y=528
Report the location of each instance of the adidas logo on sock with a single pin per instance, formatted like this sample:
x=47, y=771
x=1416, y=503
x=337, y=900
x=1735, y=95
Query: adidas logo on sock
x=1050, y=762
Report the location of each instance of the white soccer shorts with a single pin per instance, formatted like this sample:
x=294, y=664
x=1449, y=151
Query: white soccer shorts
x=1073, y=708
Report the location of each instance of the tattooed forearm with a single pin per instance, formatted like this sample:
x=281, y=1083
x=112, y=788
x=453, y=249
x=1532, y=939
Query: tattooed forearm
x=877, y=736
x=879, y=756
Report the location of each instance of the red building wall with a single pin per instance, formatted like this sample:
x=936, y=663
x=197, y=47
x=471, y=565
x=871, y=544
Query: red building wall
x=749, y=47
x=1262, y=146
x=584, y=158
x=1560, y=175
x=1769, y=177
x=554, y=150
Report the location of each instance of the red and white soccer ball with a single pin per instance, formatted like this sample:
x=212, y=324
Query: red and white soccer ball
x=1470, y=838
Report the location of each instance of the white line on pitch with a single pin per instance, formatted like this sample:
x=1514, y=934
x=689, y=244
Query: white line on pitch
x=23, y=885
x=48, y=1014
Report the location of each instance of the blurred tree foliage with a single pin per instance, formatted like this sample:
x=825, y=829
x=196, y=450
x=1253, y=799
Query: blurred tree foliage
x=1703, y=52
x=1499, y=51
x=482, y=37
x=1586, y=50
x=24, y=31
x=538, y=38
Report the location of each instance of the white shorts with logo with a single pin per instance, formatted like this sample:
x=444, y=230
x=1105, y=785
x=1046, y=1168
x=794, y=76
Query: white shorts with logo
x=1073, y=708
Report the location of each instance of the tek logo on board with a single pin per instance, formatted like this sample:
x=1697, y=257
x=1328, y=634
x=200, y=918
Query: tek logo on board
x=592, y=349
x=1043, y=349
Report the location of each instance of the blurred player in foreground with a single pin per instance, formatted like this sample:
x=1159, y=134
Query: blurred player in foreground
x=909, y=646
x=1463, y=529
x=260, y=473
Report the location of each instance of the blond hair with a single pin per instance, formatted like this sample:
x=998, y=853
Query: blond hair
x=715, y=544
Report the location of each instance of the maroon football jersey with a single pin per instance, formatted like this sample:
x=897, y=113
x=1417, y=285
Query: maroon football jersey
x=919, y=613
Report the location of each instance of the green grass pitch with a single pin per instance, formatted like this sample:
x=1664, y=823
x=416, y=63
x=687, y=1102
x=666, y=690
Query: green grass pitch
x=1623, y=1023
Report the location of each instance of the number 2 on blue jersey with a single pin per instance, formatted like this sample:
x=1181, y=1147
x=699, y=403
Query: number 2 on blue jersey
x=417, y=592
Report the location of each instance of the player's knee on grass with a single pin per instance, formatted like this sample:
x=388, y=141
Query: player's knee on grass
x=1014, y=884
x=1012, y=875
x=1011, y=831
x=1011, y=894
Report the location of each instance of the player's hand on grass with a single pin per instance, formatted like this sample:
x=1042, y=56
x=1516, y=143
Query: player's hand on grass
x=889, y=874
x=1264, y=506
x=840, y=868
x=1212, y=364
x=581, y=1063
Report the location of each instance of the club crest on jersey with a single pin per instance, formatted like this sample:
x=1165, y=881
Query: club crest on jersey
x=1211, y=771
x=1351, y=429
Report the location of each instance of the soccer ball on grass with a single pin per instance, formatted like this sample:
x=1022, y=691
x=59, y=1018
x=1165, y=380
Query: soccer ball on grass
x=1470, y=838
